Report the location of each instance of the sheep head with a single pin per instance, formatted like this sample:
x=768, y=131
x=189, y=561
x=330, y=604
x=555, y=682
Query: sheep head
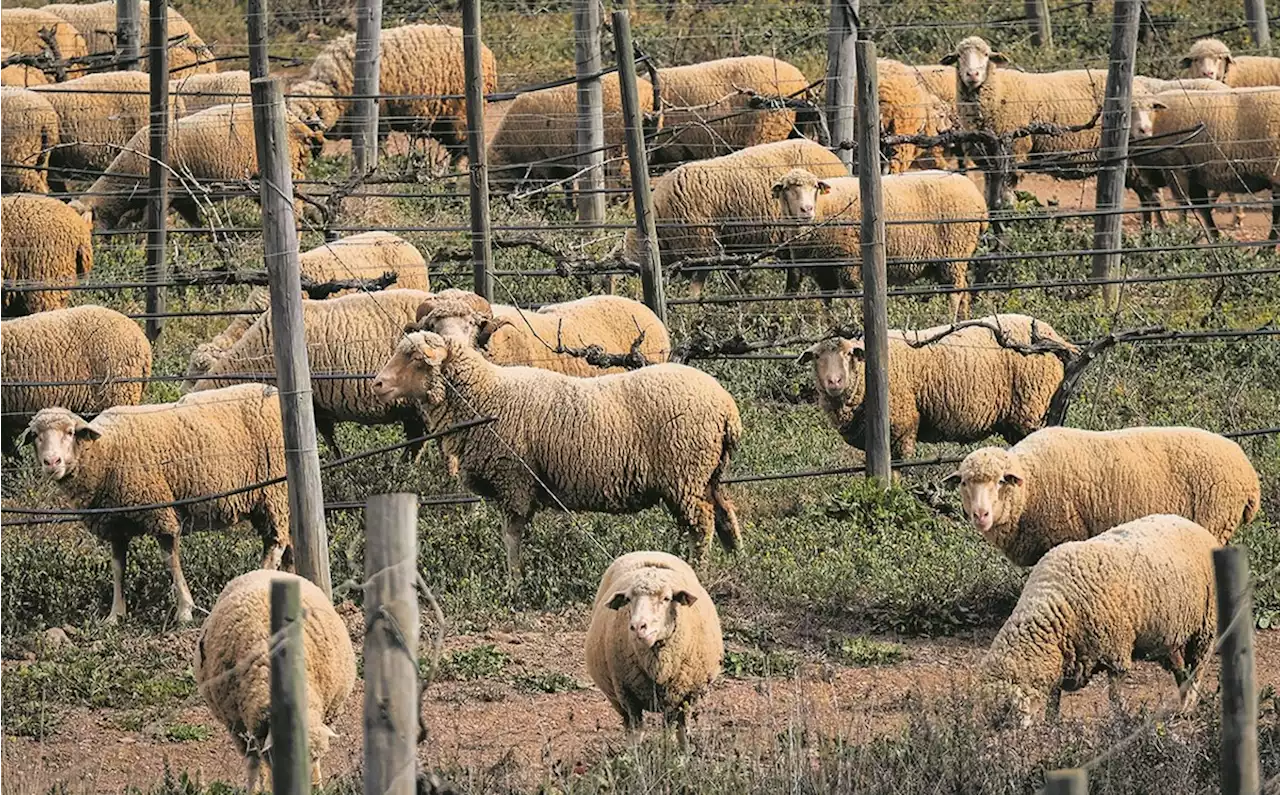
x=1142, y=116
x=58, y=434
x=1208, y=58
x=316, y=104
x=653, y=601
x=413, y=371
x=797, y=192
x=459, y=315
x=974, y=60
x=838, y=370
x=993, y=491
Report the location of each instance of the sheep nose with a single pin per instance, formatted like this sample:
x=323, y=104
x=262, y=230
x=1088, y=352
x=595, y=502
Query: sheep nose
x=52, y=460
x=834, y=383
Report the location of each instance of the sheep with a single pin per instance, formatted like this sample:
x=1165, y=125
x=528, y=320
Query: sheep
x=536, y=142
x=19, y=74
x=422, y=63
x=85, y=344
x=910, y=106
x=206, y=354
x=946, y=214
x=21, y=28
x=618, y=443
x=710, y=207
x=1211, y=59
x=1066, y=484
x=214, y=145
x=203, y=90
x=367, y=255
x=664, y=650
x=350, y=334
x=93, y=124
x=97, y=23
x=510, y=336
x=1141, y=590
x=707, y=112
x=961, y=388
x=143, y=455
x=28, y=134
x=232, y=667
x=45, y=241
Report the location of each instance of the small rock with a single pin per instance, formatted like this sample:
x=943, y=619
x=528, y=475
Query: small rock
x=70, y=630
x=54, y=638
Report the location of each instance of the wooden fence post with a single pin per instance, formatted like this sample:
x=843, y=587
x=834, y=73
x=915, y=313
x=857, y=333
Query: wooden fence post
x=391, y=644
x=1113, y=153
x=586, y=40
x=646, y=225
x=288, y=337
x=1073, y=781
x=1255, y=14
x=290, y=759
x=1037, y=14
x=128, y=35
x=257, y=22
x=1240, y=773
x=157, y=268
x=842, y=32
x=874, y=279
x=481, y=232
x=368, y=60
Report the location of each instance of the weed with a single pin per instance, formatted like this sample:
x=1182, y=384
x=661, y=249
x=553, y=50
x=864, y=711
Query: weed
x=861, y=652
x=545, y=682
x=754, y=663
x=469, y=665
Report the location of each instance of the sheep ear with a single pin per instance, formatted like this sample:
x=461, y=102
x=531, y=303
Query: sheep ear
x=1230, y=58
x=410, y=328
x=1010, y=479
x=808, y=355
x=1158, y=105
x=777, y=190
x=998, y=58
x=487, y=329
x=619, y=599
x=27, y=436
x=433, y=355
x=823, y=187
x=950, y=59
x=858, y=354
x=952, y=480
x=86, y=431
x=424, y=309
x=684, y=598
x=1185, y=63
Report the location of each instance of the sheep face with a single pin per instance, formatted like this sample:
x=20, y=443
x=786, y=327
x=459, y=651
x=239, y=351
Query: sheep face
x=653, y=610
x=1008, y=703
x=1208, y=58
x=413, y=371
x=57, y=434
x=992, y=490
x=837, y=367
x=1142, y=119
x=797, y=193
x=974, y=60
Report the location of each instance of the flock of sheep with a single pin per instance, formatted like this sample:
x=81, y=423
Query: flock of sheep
x=1117, y=525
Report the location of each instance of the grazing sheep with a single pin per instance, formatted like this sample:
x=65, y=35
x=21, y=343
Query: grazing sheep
x=962, y=388
x=724, y=205
x=944, y=214
x=1142, y=590
x=232, y=667
x=97, y=23
x=46, y=241
x=352, y=334
x=618, y=443
x=206, y=354
x=20, y=30
x=203, y=90
x=20, y=75
x=536, y=142
x=910, y=106
x=510, y=336
x=654, y=643
x=142, y=455
x=214, y=145
x=28, y=134
x=1211, y=59
x=87, y=343
x=1066, y=484
x=367, y=255
x=707, y=112
x=93, y=125
x=421, y=78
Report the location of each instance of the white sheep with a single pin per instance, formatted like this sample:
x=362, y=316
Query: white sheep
x=97, y=22
x=28, y=135
x=1067, y=484
x=1142, y=590
x=660, y=434
x=20, y=30
x=43, y=242
x=19, y=74
x=232, y=667
x=203, y=445
x=203, y=90
x=654, y=643
x=367, y=255
x=1211, y=59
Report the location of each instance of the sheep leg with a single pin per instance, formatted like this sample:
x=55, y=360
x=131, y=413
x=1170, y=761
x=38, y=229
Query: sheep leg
x=699, y=516
x=1053, y=707
x=512, y=533
x=325, y=426
x=273, y=528
x=1204, y=208
x=119, y=551
x=680, y=717
x=169, y=548
x=1114, y=681
x=253, y=773
x=1188, y=678
x=1275, y=215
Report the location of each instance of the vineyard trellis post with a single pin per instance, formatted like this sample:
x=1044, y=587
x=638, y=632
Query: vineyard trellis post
x=128, y=35
x=1037, y=14
x=257, y=23
x=368, y=60
x=646, y=225
x=290, y=760
x=481, y=231
x=1240, y=772
x=874, y=279
x=1072, y=781
x=842, y=32
x=590, y=139
x=1113, y=153
x=157, y=267
x=288, y=338
x=391, y=644
x=1255, y=14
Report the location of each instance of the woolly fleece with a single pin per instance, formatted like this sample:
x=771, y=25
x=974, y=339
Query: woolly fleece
x=42, y=240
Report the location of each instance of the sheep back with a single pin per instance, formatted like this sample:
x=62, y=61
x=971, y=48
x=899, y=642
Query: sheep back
x=20, y=33
x=612, y=322
x=1239, y=145
x=97, y=23
x=203, y=90
x=1248, y=71
x=28, y=135
x=367, y=255
x=42, y=240
x=20, y=75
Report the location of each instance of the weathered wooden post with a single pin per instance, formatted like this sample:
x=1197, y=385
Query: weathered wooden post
x=646, y=225
x=290, y=760
x=1240, y=772
x=842, y=32
x=874, y=278
x=157, y=268
x=1255, y=14
x=391, y=644
x=1073, y=781
x=586, y=41
x=1037, y=14
x=1113, y=153
x=257, y=22
x=128, y=35
x=368, y=60
x=481, y=233
x=288, y=337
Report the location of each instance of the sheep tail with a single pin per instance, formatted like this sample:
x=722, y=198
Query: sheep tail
x=728, y=532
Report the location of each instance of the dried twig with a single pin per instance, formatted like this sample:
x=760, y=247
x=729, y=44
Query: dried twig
x=1074, y=370
x=597, y=356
